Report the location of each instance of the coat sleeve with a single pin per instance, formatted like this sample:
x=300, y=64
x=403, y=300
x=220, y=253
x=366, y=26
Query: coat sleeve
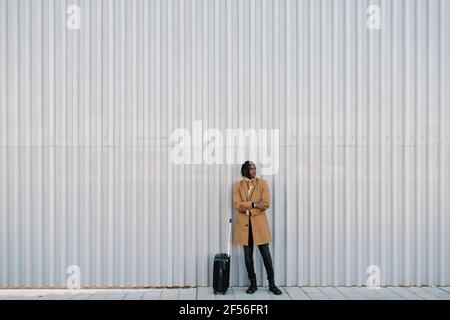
x=238, y=204
x=265, y=199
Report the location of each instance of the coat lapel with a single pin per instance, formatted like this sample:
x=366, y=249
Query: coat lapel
x=244, y=188
x=255, y=186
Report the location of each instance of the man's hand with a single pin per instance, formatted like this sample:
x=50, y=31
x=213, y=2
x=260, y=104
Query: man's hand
x=242, y=209
x=259, y=205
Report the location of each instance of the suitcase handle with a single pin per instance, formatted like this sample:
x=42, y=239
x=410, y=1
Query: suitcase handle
x=229, y=237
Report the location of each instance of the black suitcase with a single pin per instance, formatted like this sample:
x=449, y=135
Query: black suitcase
x=221, y=273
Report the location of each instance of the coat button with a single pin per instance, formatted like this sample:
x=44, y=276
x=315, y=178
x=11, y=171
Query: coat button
x=246, y=225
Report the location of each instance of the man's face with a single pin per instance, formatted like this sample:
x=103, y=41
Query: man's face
x=252, y=171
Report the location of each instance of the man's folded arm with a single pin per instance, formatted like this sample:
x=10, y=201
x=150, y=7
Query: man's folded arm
x=239, y=205
x=265, y=200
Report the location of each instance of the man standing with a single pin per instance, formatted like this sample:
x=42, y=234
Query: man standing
x=251, y=199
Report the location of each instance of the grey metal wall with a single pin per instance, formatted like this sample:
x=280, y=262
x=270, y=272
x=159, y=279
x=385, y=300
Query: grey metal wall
x=86, y=118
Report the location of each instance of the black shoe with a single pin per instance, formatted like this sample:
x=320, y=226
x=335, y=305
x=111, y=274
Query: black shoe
x=252, y=287
x=275, y=290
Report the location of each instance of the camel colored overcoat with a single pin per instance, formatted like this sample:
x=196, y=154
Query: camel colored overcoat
x=242, y=201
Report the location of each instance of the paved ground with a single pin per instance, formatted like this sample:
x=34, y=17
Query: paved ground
x=234, y=293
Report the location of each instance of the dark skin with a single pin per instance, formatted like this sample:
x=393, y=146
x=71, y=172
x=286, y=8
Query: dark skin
x=252, y=175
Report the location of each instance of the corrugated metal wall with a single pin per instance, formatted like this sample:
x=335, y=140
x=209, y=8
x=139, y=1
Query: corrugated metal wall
x=86, y=118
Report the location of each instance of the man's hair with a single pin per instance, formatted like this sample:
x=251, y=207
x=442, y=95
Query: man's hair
x=245, y=167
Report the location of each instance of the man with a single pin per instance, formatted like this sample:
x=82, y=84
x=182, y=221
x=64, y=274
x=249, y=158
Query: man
x=251, y=199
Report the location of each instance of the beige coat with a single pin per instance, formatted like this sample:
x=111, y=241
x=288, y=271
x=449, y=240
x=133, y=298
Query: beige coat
x=242, y=202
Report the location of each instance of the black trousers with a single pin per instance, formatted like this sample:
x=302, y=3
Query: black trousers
x=265, y=253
